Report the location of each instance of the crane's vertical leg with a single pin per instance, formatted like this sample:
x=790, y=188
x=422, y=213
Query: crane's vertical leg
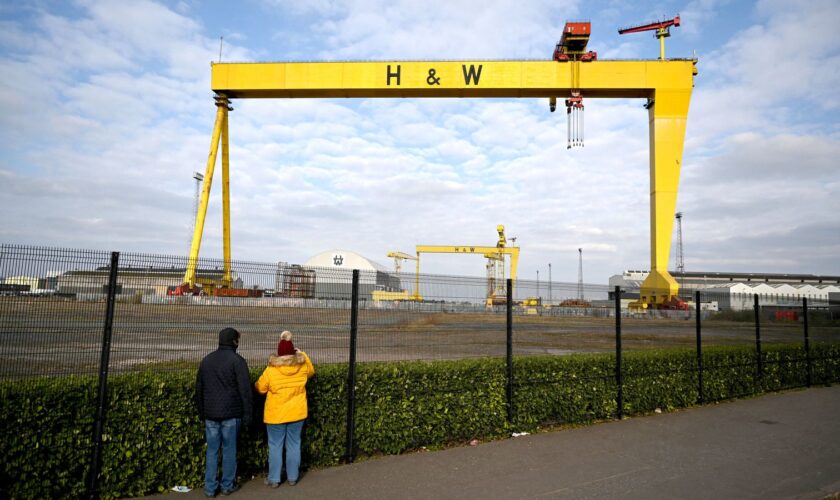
x=514, y=263
x=490, y=269
x=667, y=115
x=499, y=277
x=226, y=279
x=417, y=279
x=189, y=275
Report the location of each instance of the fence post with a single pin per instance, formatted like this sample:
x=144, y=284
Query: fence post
x=618, y=380
x=104, y=359
x=699, y=348
x=509, y=350
x=807, y=344
x=756, y=308
x=351, y=369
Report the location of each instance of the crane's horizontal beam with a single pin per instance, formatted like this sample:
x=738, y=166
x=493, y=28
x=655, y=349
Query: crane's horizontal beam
x=401, y=255
x=450, y=78
x=655, y=25
x=646, y=27
x=466, y=249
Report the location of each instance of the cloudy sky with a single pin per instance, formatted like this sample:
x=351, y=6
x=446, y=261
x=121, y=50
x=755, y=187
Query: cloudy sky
x=107, y=112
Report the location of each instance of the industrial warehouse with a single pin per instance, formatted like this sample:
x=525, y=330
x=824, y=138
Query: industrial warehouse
x=735, y=291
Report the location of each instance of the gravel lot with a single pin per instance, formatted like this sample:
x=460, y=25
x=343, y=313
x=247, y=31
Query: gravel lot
x=40, y=336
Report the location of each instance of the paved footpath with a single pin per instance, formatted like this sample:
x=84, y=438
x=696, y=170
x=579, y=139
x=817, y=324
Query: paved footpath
x=776, y=446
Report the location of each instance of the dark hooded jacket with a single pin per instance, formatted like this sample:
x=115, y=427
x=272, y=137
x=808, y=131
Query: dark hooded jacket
x=223, y=385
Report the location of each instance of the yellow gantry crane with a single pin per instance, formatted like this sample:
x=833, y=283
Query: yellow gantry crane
x=398, y=258
x=387, y=295
x=496, y=289
x=666, y=84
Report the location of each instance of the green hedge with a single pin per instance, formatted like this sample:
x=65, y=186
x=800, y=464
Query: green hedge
x=154, y=440
x=401, y=406
x=153, y=437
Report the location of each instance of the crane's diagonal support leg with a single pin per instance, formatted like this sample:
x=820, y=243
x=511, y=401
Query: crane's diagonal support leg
x=226, y=280
x=221, y=115
x=667, y=116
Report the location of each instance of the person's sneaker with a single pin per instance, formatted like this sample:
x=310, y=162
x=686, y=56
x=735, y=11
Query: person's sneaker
x=232, y=490
x=292, y=483
x=271, y=484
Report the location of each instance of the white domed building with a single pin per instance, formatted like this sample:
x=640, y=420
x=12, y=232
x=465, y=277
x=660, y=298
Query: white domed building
x=334, y=274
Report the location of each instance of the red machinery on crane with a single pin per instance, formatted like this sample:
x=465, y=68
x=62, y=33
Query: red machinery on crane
x=662, y=28
x=572, y=47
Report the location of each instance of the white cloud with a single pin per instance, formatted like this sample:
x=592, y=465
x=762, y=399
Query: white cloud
x=751, y=69
x=759, y=162
x=100, y=116
x=698, y=16
x=406, y=29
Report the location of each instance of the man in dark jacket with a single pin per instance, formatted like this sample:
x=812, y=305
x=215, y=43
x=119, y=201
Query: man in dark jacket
x=223, y=395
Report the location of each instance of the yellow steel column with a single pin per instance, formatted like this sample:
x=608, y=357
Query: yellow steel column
x=417, y=279
x=667, y=114
x=514, y=264
x=226, y=280
x=189, y=275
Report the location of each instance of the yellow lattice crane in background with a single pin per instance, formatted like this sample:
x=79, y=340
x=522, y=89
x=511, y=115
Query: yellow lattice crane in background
x=389, y=295
x=398, y=258
x=496, y=284
x=666, y=84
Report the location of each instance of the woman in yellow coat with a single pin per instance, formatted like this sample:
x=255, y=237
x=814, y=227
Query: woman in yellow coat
x=284, y=383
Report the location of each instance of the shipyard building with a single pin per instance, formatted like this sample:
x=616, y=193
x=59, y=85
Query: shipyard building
x=737, y=290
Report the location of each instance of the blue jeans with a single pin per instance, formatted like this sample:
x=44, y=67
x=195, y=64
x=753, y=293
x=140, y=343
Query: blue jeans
x=220, y=432
x=290, y=433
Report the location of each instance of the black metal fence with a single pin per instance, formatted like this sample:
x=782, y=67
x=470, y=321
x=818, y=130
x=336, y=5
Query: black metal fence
x=83, y=313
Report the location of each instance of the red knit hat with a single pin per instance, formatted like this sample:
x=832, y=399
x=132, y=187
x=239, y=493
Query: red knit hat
x=285, y=347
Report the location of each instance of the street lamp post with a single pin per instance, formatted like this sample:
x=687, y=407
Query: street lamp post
x=549, y=282
x=198, y=176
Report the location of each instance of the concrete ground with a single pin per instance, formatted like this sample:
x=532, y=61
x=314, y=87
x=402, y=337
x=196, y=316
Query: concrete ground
x=783, y=445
